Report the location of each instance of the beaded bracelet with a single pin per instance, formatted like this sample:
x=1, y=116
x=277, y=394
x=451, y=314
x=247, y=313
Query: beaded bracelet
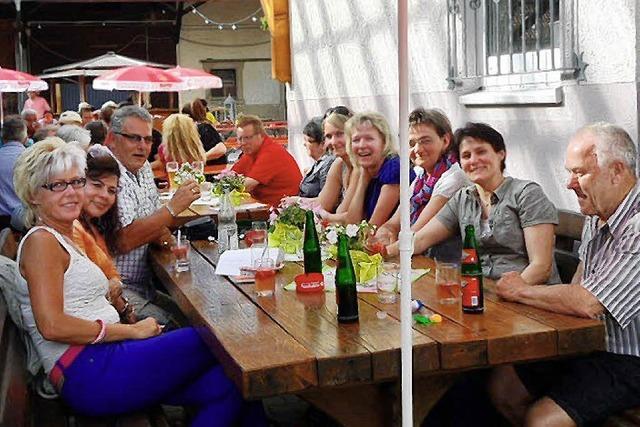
x=102, y=333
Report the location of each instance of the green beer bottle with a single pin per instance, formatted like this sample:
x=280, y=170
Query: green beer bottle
x=471, y=274
x=346, y=294
x=311, y=246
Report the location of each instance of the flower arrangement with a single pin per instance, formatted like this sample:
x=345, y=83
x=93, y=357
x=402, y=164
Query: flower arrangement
x=187, y=172
x=286, y=225
x=230, y=182
x=357, y=234
x=366, y=266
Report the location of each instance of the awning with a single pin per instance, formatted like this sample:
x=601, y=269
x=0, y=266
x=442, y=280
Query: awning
x=277, y=14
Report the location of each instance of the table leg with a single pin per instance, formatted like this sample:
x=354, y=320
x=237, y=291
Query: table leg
x=379, y=404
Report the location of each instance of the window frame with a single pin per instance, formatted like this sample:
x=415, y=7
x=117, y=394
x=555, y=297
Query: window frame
x=470, y=67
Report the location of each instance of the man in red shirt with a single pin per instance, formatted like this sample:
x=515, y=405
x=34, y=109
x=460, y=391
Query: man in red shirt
x=270, y=171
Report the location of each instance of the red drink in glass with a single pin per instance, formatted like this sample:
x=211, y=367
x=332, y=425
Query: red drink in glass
x=265, y=281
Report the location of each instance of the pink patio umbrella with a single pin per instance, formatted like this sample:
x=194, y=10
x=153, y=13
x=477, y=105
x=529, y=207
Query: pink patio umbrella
x=196, y=79
x=18, y=81
x=139, y=78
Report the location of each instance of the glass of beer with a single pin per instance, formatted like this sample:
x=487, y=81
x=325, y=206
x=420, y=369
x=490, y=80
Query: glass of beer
x=265, y=277
x=447, y=282
x=198, y=165
x=172, y=168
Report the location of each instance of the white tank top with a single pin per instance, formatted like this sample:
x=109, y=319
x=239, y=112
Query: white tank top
x=84, y=292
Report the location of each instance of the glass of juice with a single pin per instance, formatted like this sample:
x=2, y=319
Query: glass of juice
x=265, y=277
x=447, y=282
x=172, y=168
x=180, y=249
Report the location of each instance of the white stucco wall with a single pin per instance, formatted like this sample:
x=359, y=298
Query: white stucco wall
x=199, y=42
x=345, y=53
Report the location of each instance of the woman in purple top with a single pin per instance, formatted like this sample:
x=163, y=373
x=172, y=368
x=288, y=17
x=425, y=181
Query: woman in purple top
x=372, y=148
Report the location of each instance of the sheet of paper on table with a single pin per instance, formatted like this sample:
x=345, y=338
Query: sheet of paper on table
x=232, y=261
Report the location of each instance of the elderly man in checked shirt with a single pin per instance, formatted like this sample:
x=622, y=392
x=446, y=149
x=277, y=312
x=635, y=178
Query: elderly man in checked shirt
x=142, y=218
x=601, y=160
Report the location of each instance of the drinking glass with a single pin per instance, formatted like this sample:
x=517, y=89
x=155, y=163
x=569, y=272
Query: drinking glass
x=265, y=277
x=172, y=168
x=447, y=282
x=205, y=191
x=180, y=249
x=256, y=239
x=387, y=283
x=198, y=166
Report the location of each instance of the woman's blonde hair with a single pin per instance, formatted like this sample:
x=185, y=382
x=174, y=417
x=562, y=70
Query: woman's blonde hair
x=336, y=120
x=38, y=164
x=180, y=135
x=375, y=120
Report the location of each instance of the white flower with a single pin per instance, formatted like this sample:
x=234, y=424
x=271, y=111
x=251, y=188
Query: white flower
x=272, y=218
x=352, y=230
x=319, y=228
x=332, y=237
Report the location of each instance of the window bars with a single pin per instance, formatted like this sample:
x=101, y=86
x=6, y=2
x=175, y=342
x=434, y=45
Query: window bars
x=507, y=37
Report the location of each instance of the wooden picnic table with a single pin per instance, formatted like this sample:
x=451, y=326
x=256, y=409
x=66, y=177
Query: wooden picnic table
x=292, y=343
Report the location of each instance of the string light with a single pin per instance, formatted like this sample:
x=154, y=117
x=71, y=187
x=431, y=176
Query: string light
x=221, y=25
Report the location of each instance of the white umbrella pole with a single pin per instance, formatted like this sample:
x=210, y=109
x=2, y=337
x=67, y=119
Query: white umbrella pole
x=406, y=235
x=1, y=110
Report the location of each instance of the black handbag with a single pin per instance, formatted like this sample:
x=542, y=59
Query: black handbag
x=200, y=229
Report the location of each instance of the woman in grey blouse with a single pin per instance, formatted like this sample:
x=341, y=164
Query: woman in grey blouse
x=316, y=176
x=513, y=218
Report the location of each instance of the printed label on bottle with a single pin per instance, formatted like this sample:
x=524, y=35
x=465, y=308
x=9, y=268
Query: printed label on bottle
x=469, y=256
x=470, y=291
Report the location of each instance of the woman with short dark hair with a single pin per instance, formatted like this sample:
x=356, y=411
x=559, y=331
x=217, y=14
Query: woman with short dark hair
x=315, y=178
x=513, y=218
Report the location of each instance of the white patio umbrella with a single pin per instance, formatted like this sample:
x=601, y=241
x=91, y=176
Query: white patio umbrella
x=406, y=235
x=18, y=81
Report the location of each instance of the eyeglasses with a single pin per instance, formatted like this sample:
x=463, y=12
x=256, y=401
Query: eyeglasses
x=137, y=138
x=246, y=137
x=60, y=186
x=425, y=140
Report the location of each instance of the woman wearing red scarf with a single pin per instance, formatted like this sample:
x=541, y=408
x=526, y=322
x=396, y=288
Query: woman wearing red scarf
x=430, y=142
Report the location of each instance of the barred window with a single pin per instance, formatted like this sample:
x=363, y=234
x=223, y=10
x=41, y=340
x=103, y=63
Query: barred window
x=507, y=37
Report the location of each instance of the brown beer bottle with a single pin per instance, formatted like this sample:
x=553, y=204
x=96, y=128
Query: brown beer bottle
x=346, y=293
x=471, y=274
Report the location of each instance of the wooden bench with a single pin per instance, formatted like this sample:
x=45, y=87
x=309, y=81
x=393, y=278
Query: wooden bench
x=20, y=405
x=568, y=235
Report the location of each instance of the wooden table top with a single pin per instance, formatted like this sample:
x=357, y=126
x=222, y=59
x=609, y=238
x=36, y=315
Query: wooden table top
x=247, y=211
x=293, y=343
